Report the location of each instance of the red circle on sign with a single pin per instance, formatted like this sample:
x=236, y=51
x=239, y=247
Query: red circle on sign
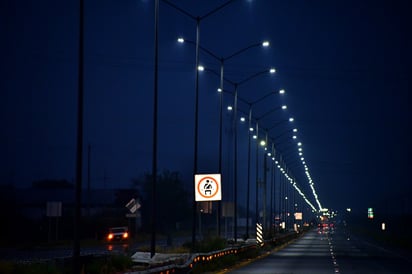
x=213, y=194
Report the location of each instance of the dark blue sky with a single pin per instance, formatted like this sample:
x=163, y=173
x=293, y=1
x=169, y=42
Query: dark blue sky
x=345, y=66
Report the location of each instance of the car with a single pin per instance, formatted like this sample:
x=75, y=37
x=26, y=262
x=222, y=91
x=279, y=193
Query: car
x=120, y=233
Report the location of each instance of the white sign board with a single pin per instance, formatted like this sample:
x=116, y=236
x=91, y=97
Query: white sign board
x=133, y=205
x=207, y=187
x=298, y=216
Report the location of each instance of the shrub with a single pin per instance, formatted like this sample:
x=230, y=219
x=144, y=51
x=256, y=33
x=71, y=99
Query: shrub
x=34, y=268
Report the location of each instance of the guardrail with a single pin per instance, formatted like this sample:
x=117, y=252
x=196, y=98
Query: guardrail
x=193, y=261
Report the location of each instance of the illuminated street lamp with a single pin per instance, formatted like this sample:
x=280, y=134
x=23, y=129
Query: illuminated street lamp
x=277, y=138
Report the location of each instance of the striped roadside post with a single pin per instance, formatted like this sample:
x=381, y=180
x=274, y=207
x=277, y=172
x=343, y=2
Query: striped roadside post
x=259, y=234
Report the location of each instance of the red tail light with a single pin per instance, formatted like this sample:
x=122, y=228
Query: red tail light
x=110, y=236
x=125, y=235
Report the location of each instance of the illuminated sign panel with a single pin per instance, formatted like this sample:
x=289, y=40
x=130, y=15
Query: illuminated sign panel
x=370, y=213
x=207, y=187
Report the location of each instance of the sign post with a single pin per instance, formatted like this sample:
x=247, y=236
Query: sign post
x=53, y=210
x=207, y=189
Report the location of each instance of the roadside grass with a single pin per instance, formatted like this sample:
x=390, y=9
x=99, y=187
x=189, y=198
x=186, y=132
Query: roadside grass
x=32, y=268
x=94, y=265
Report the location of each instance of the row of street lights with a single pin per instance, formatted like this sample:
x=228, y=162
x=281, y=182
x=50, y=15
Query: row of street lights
x=236, y=85
x=263, y=143
x=282, y=107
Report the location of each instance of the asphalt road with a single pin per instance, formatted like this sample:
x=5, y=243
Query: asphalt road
x=330, y=252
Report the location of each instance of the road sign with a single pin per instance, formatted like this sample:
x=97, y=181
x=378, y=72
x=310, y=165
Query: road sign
x=298, y=215
x=133, y=205
x=207, y=187
x=370, y=213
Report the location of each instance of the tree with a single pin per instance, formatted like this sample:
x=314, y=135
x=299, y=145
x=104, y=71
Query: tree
x=173, y=204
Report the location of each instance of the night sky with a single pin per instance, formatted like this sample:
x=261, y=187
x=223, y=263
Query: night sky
x=345, y=66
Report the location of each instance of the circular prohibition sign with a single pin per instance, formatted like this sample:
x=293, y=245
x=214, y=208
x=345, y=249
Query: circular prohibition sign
x=207, y=187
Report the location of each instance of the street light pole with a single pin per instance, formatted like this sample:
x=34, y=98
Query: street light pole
x=198, y=19
x=272, y=190
x=235, y=164
x=79, y=140
x=219, y=203
x=265, y=181
x=248, y=171
x=155, y=112
x=257, y=175
x=196, y=128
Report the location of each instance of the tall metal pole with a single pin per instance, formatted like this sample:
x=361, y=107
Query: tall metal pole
x=155, y=111
x=248, y=174
x=79, y=151
x=219, y=203
x=194, y=206
x=280, y=195
x=272, y=189
x=264, y=202
x=89, y=149
x=257, y=175
x=235, y=163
